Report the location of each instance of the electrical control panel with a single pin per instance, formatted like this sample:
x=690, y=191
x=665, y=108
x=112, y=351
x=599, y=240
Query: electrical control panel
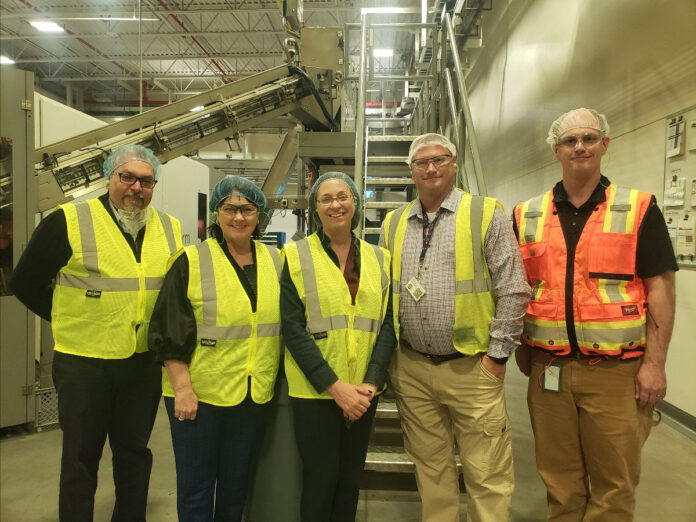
x=680, y=185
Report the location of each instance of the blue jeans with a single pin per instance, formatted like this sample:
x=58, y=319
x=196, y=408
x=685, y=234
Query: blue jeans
x=213, y=456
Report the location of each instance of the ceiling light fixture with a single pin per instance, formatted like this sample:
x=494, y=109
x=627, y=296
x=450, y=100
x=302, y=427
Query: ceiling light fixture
x=46, y=26
x=383, y=53
x=6, y=61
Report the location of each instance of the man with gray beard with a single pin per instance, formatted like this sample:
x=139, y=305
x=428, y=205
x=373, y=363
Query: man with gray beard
x=94, y=269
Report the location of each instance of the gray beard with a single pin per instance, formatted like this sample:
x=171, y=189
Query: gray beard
x=132, y=219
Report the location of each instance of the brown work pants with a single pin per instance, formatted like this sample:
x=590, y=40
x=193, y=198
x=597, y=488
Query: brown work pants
x=588, y=438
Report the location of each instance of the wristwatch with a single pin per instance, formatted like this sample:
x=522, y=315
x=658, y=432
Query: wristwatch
x=499, y=360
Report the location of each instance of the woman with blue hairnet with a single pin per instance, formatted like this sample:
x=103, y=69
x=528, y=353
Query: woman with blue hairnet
x=216, y=327
x=338, y=329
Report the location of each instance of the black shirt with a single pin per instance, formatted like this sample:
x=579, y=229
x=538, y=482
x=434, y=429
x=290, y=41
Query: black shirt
x=47, y=252
x=654, y=253
x=303, y=348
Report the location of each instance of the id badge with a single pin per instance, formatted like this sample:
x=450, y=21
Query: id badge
x=552, y=378
x=415, y=289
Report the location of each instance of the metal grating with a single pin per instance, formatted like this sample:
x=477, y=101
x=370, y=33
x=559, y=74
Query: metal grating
x=46, y=408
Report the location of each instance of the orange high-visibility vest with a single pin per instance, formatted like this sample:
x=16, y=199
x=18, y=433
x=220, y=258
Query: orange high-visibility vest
x=609, y=303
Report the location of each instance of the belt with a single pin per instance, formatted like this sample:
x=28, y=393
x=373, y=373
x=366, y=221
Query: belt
x=435, y=358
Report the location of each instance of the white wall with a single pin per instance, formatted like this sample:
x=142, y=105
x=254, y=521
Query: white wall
x=181, y=179
x=633, y=60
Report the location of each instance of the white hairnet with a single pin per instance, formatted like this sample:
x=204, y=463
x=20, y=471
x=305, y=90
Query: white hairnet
x=577, y=119
x=426, y=140
x=131, y=152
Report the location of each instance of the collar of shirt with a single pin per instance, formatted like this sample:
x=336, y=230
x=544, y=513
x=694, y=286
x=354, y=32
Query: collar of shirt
x=449, y=204
x=598, y=195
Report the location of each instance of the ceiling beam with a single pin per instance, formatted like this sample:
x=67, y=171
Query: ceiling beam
x=145, y=35
x=150, y=57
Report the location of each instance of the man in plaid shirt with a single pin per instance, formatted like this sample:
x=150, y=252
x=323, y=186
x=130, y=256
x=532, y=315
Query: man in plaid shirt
x=460, y=296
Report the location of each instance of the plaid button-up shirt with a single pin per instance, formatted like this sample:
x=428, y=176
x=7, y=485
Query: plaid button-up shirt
x=427, y=325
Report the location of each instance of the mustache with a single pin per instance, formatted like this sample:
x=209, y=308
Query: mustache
x=134, y=195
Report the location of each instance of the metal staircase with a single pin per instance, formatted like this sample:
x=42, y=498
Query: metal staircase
x=435, y=83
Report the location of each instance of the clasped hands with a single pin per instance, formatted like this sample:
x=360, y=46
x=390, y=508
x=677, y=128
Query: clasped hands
x=353, y=400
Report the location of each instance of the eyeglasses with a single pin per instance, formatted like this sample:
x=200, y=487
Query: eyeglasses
x=587, y=139
x=326, y=201
x=129, y=179
x=421, y=164
x=231, y=210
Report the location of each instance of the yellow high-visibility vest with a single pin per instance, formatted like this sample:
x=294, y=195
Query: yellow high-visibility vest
x=103, y=297
x=233, y=343
x=344, y=333
x=474, y=302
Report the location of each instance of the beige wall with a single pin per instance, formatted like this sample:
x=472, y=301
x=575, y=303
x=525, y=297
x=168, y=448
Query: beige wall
x=633, y=60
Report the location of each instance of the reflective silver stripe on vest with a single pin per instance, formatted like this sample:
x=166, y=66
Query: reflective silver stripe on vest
x=365, y=324
x=114, y=284
x=480, y=283
x=209, y=329
x=208, y=290
x=619, y=210
x=611, y=288
x=168, y=231
x=385, y=278
x=153, y=283
x=315, y=322
x=393, y=225
x=268, y=330
x=275, y=255
x=206, y=331
x=469, y=286
x=588, y=335
x=534, y=212
x=88, y=239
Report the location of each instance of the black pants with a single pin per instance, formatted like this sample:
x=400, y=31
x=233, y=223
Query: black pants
x=333, y=456
x=96, y=398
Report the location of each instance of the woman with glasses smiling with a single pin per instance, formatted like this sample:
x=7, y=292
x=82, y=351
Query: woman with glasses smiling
x=216, y=327
x=338, y=329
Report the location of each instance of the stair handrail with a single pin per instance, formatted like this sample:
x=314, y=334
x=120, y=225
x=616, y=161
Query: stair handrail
x=464, y=106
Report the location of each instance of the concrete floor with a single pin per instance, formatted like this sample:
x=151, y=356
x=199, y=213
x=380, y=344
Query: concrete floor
x=29, y=469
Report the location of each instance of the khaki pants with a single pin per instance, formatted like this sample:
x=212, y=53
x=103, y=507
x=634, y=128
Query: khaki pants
x=588, y=438
x=455, y=400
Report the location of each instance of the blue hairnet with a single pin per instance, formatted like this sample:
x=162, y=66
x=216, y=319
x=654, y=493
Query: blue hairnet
x=237, y=186
x=357, y=217
x=131, y=152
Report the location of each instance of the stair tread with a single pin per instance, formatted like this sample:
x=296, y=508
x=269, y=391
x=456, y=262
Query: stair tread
x=393, y=137
x=383, y=204
x=402, y=180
